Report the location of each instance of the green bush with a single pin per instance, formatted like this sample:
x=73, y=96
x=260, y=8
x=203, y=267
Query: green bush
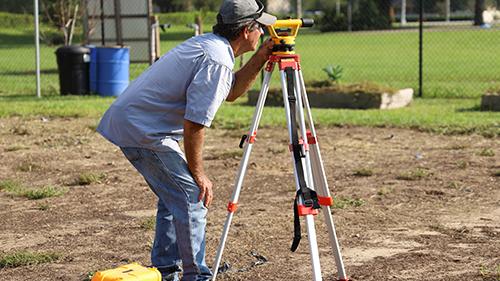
x=367, y=17
x=333, y=22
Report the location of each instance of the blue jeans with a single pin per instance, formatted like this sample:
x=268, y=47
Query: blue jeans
x=180, y=219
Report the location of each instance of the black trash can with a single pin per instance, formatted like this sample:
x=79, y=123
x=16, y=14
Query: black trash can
x=73, y=67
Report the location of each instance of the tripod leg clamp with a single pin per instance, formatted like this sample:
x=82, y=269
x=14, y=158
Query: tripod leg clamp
x=232, y=207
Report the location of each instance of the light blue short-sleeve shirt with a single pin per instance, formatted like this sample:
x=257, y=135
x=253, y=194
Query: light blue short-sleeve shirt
x=189, y=82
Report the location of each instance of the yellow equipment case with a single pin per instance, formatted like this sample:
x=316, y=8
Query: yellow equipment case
x=129, y=272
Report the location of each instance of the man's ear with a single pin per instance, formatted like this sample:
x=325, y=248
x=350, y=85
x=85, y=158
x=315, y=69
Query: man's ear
x=246, y=32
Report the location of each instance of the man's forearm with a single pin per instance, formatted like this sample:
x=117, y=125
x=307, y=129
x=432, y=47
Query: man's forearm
x=194, y=135
x=245, y=77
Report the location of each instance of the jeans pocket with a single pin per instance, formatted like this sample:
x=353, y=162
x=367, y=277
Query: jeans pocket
x=131, y=153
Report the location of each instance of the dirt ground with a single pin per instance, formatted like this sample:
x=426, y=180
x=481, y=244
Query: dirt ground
x=409, y=205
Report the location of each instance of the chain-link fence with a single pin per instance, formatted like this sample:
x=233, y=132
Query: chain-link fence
x=459, y=59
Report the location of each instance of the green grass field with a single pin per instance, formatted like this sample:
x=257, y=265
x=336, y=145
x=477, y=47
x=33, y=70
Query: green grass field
x=458, y=64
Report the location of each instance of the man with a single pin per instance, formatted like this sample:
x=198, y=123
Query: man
x=174, y=99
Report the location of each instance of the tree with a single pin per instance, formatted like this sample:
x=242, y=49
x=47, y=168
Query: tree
x=63, y=15
x=478, y=12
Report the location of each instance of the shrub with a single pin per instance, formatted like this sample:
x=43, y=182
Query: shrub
x=367, y=17
x=332, y=21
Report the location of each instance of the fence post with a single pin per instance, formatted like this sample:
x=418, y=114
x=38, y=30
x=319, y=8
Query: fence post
x=37, y=51
x=420, y=48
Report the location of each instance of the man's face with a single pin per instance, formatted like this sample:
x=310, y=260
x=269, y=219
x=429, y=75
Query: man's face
x=255, y=31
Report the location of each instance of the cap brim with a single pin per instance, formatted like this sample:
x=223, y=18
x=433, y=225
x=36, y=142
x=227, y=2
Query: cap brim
x=266, y=19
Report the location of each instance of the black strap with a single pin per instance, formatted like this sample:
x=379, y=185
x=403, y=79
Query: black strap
x=309, y=196
x=296, y=226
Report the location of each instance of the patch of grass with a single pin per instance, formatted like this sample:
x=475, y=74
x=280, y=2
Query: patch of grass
x=93, y=128
x=363, y=172
x=496, y=173
x=454, y=185
x=487, y=152
x=149, y=223
x=11, y=186
x=384, y=191
x=417, y=174
x=27, y=166
x=24, y=258
x=458, y=146
x=227, y=154
x=15, y=148
x=462, y=164
x=490, y=274
x=276, y=150
x=89, y=275
x=344, y=202
x=17, y=189
x=20, y=130
x=43, y=192
x=43, y=207
x=89, y=178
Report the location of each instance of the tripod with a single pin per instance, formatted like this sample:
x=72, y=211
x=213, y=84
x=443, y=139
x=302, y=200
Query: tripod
x=311, y=184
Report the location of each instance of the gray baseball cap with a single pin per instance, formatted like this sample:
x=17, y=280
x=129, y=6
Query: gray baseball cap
x=236, y=11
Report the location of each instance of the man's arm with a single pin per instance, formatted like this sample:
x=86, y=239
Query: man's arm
x=245, y=77
x=194, y=136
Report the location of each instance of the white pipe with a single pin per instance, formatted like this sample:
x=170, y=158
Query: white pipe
x=448, y=10
x=37, y=55
x=403, y=12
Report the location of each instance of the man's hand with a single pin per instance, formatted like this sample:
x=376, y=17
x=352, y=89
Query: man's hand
x=265, y=49
x=206, y=192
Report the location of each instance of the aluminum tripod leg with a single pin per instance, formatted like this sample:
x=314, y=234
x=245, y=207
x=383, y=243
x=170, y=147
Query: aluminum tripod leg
x=321, y=183
x=243, y=167
x=311, y=231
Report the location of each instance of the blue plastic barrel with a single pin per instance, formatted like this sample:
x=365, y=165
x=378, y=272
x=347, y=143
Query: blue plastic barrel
x=109, y=70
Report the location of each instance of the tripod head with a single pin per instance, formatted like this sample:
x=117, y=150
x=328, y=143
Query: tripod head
x=283, y=33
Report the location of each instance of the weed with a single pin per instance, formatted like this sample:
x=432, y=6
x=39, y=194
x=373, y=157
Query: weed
x=149, y=223
x=44, y=192
x=458, y=146
x=363, y=172
x=20, y=130
x=275, y=151
x=15, y=148
x=89, y=275
x=454, y=185
x=343, y=202
x=90, y=178
x=93, y=128
x=24, y=258
x=487, y=152
x=28, y=167
x=413, y=175
x=496, y=173
x=462, y=165
x=229, y=154
x=384, y=191
x=43, y=207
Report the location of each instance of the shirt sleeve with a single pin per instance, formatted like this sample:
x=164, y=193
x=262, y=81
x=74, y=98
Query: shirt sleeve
x=206, y=92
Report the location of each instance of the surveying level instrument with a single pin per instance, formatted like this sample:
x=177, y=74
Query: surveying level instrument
x=312, y=191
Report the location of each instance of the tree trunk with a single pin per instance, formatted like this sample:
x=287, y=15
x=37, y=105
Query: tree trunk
x=478, y=12
x=387, y=10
